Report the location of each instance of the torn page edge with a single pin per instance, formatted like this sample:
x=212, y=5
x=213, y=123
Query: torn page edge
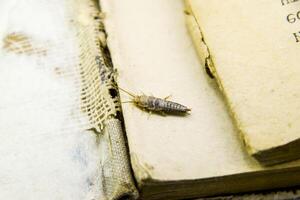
x=198, y=39
x=206, y=59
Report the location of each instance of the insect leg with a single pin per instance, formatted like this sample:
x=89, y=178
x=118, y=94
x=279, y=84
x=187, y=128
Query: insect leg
x=163, y=113
x=167, y=97
x=149, y=114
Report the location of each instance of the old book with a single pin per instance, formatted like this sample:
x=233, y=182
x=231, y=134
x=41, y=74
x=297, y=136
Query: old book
x=176, y=157
x=252, y=50
x=61, y=132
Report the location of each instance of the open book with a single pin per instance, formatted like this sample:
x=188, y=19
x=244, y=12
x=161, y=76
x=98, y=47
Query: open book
x=62, y=131
x=174, y=157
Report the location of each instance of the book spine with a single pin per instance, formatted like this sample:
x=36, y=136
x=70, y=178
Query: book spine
x=100, y=102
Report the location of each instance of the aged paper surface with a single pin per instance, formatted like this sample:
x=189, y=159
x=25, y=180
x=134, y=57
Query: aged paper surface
x=252, y=49
x=175, y=156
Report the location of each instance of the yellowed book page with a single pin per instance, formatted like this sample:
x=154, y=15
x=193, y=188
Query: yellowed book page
x=253, y=52
x=154, y=54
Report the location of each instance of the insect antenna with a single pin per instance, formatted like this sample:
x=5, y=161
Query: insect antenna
x=127, y=101
x=129, y=93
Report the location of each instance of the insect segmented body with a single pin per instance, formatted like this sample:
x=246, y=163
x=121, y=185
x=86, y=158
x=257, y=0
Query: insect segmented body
x=155, y=104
